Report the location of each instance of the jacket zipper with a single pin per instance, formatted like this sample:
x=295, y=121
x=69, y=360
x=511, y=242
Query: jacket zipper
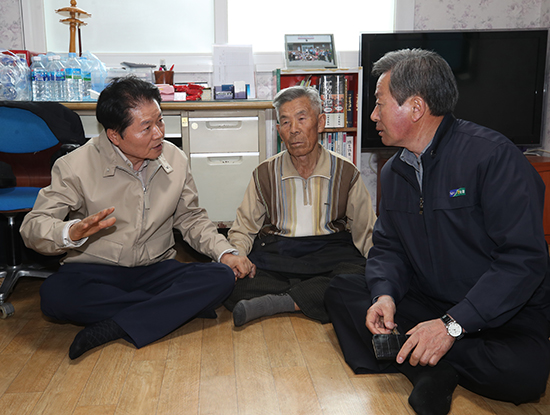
x=145, y=190
x=421, y=205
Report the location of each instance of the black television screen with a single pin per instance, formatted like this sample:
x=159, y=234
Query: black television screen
x=500, y=77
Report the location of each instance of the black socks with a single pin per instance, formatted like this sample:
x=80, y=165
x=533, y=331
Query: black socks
x=95, y=335
x=267, y=305
x=433, y=387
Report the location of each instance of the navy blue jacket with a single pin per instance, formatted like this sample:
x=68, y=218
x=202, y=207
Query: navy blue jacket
x=473, y=239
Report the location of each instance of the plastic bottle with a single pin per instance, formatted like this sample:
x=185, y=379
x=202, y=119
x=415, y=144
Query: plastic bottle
x=73, y=78
x=99, y=73
x=49, y=83
x=7, y=87
x=23, y=84
x=15, y=78
x=86, y=78
x=39, y=80
x=56, y=72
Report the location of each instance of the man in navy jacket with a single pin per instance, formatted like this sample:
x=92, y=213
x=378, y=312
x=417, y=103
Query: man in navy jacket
x=459, y=260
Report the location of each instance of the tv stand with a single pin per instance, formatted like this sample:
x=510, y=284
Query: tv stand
x=542, y=165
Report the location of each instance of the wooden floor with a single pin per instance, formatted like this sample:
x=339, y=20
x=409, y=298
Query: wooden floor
x=285, y=364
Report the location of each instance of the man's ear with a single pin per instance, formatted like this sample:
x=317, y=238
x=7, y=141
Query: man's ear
x=321, y=122
x=419, y=108
x=113, y=136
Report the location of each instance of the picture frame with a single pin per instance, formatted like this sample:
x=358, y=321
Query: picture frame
x=310, y=51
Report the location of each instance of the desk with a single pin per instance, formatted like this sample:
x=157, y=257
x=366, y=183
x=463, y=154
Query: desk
x=189, y=105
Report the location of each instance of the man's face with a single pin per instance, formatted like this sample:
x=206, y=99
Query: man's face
x=393, y=122
x=144, y=136
x=299, y=126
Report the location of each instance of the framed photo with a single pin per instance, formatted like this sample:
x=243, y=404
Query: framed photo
x=310, y=51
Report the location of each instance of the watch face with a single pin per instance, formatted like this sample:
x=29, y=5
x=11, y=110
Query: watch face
x=454, y=329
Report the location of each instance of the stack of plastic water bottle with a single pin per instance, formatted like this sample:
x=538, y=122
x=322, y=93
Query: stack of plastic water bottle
x=55, y=79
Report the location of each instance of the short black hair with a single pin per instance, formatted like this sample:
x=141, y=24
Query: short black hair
x=119, y=97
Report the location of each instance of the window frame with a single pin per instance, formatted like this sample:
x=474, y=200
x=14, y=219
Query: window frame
x=34, y=32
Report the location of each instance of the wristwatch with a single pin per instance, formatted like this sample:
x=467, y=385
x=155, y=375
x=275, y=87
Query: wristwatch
x=453, y=328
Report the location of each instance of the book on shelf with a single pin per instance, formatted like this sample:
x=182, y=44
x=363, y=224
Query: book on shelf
x=350, y=108
x=339, y=142
x=332, y=89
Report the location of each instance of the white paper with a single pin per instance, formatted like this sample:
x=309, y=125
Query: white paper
x=234, y=63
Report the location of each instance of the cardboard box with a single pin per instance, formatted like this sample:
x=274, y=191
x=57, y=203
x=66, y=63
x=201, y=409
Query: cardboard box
x=224, y=92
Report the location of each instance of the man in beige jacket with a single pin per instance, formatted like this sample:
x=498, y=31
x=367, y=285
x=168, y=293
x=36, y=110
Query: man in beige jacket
x=112, y=207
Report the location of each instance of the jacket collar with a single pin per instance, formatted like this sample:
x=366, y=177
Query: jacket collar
x=440, y=140
x=111, y=160
x=321, y=169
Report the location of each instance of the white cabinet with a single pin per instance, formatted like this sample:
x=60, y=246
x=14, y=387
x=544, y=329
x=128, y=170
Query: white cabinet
x=224, y=148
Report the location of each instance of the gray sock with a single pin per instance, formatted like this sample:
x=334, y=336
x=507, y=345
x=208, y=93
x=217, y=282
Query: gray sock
x=267, y=305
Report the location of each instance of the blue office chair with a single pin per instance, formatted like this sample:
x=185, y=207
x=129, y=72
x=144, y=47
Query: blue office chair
x=28, y=145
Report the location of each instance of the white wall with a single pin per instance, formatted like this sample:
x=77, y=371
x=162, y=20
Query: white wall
x=11, y=25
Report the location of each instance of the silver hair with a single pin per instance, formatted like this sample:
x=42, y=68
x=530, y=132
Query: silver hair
x=294, y=92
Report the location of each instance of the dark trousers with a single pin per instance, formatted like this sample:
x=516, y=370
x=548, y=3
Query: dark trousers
x=148, y=302
x=299, y=266
x=509, y=363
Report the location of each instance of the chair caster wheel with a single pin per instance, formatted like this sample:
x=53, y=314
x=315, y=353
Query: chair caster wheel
x=6, y=310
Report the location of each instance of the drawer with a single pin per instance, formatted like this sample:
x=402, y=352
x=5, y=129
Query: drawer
x=221, y=180
x=223, y=135
x=172, y=126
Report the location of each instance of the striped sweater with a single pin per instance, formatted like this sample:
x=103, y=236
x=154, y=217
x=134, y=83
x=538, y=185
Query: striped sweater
x=279, y=201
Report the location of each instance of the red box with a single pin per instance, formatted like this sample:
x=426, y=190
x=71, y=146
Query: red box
x=25, y=54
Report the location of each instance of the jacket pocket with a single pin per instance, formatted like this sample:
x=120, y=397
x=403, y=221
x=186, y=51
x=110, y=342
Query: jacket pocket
x=102, y=248
x=444, y=203
x=158, y=246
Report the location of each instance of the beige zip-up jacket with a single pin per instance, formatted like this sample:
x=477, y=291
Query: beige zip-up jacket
x=95, y=177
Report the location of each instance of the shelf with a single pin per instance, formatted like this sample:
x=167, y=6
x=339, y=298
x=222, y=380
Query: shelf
x=336, y=130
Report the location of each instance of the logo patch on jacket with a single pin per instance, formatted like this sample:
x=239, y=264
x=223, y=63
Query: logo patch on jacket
x=458, y=192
